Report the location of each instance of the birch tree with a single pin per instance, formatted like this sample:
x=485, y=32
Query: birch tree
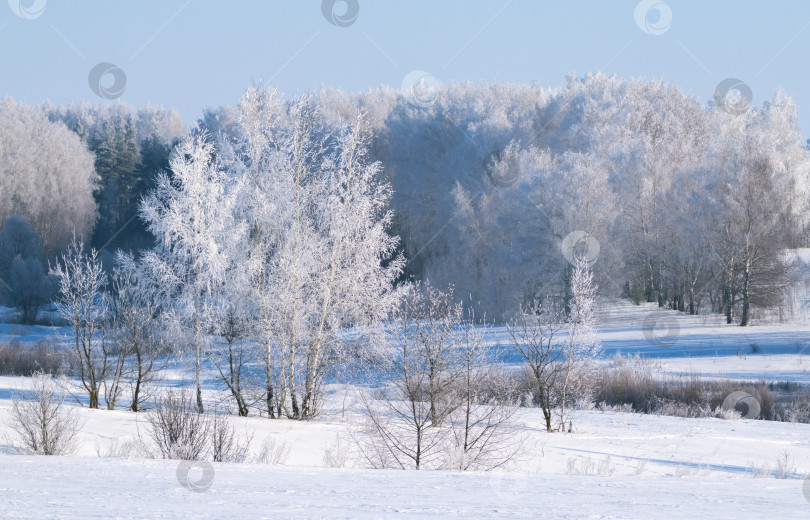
x=581, y=344
x=80, y=301
x=320, y=256
x=191, y=216
x=136, y=305
x=534, y=333
x=354, y=282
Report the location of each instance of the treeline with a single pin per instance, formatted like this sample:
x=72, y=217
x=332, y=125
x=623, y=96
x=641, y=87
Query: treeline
x=71, y=171
x=497, y=188
x=130, y=148
x=82, y=169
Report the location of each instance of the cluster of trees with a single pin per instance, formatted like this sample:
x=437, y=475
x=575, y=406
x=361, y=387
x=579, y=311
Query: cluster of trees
x=691, y=206
x=120, y=335
x=129, y=148
x=82, y=169
x=46, y=176
x=73, y=171
x=446, y=401
x=274, y=241
x=278, y=226
x=282, y=232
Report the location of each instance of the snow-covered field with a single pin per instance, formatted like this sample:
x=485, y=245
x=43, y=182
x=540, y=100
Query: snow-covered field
x=613, y=465
x=75, y=487
x=638, y=467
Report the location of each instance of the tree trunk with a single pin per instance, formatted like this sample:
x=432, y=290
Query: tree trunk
x=313, y=359
x=568, y=295
x=296, y=412
x=197, y=349
x=543, y=400
x=746, y=294
x=269, y=373
x=728, y=297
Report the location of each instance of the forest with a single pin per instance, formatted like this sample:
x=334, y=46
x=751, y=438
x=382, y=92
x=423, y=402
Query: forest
x=491, y=188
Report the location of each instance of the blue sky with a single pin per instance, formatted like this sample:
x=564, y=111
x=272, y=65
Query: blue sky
x=188, y=54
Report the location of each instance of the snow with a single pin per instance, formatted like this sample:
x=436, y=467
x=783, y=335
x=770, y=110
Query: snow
x=61, y=487
x=661, y=467
x=639, y=466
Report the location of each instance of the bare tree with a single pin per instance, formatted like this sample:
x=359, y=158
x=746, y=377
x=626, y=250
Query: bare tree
x=483, y=439
x=397, y=432
x=422, y=368
x=136, y=309
x=80, y=301
x=533, y=334
x=117, y=356
x=428, y=327
x=443, y=403
x=40, y=421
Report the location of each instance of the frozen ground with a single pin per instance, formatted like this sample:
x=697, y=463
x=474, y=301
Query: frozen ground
x=636, y=466
x=76, y=487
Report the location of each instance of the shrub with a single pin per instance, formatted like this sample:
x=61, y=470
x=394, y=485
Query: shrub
x=40, y=421
x=633, y=383
x=226, y=445
x=176, y=427
x=20, y=359
x=785, y=467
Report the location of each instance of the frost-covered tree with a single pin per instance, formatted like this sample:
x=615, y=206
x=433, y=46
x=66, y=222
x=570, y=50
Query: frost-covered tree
x=319, y=253
x=581, y=344
x=80, y=301
x=158, y=122
x=46, y=176
x=191, y=216
x=136, y=302
x=115, y=147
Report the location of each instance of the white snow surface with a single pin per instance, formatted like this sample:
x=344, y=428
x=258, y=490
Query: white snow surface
x=639, y=466
x=75, y=487
x=656, y=467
